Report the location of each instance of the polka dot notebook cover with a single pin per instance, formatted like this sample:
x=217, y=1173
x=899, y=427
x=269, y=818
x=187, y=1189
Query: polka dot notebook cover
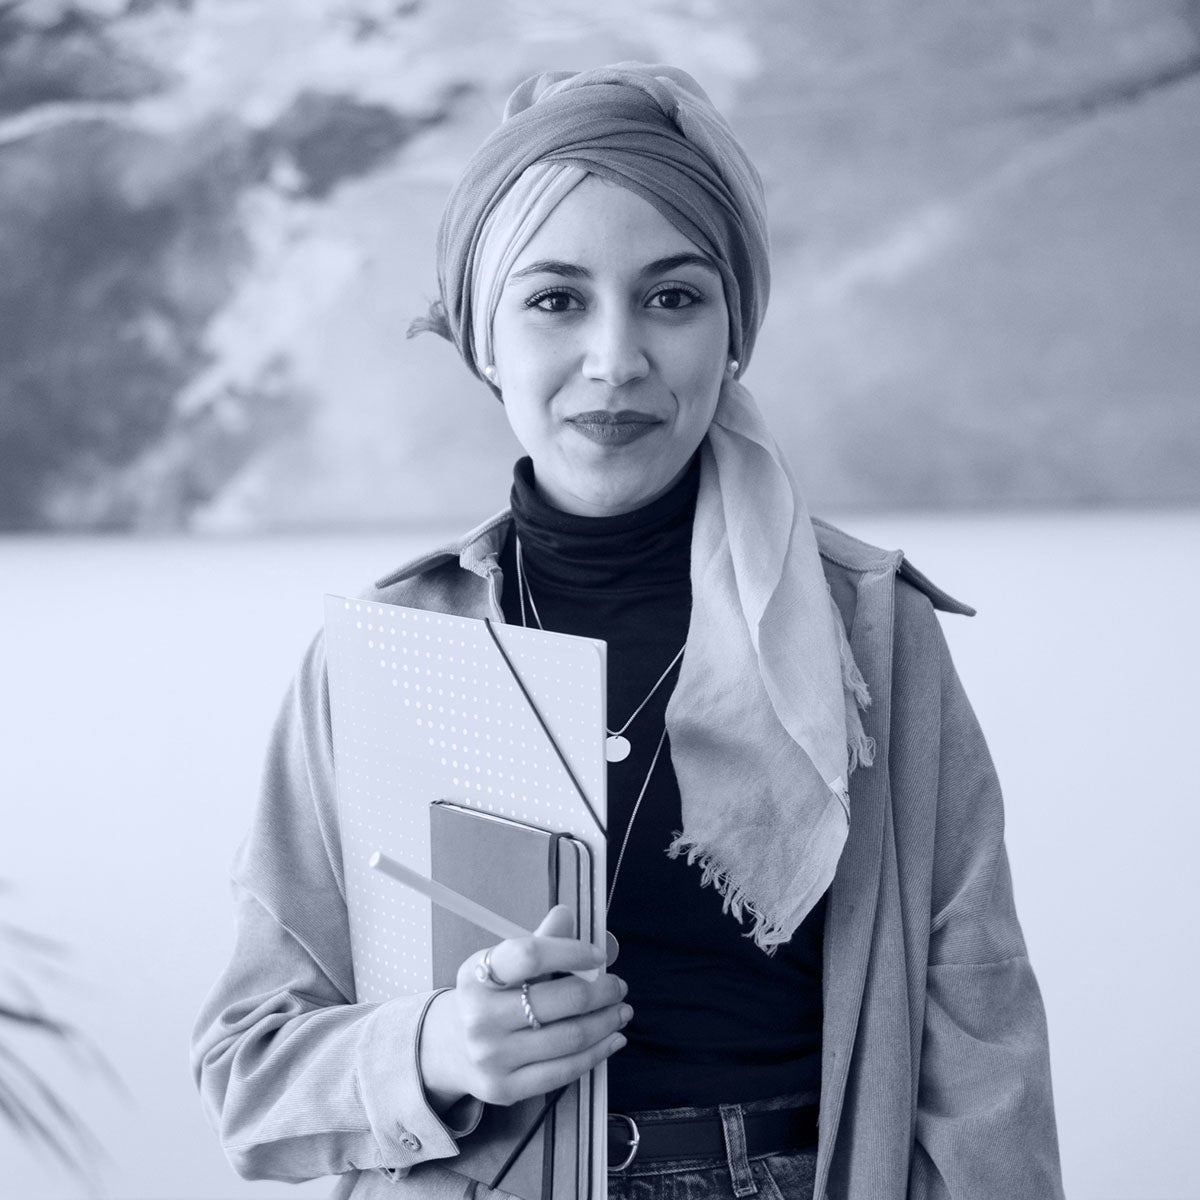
x=425, y=708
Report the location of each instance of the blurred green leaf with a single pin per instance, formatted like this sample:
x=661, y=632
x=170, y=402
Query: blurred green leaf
x=28, y=1103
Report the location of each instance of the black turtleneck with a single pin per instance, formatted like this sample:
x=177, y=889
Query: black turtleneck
x=715, y=1019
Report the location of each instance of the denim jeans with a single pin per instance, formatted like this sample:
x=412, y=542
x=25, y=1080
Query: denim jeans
x=787, y=1176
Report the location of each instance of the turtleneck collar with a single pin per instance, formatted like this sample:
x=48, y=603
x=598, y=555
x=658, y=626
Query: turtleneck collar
x=644, y=549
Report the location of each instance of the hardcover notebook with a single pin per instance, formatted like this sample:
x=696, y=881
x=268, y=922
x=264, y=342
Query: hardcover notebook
x=502, y=720
x=518, y=871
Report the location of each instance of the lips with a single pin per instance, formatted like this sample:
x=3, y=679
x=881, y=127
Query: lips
x=613, y=428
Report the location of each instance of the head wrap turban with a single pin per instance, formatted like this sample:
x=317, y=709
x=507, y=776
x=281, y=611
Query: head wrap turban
x=650, y=129
x=763, y=722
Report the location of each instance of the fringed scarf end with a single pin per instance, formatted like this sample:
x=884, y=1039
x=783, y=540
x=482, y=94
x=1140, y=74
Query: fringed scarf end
x=861, y=751
x=768, y=935
x=852, y=677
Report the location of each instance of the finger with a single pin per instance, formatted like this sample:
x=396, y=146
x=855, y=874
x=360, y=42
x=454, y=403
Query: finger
x=561, y=921
x=474, y=974
x=562, y=1039
x=518, y=960
x=561, y=999
x=558, y=922
x=539, y=1078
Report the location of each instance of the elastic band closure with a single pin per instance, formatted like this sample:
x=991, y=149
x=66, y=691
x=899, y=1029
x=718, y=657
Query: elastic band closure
x=545, y=728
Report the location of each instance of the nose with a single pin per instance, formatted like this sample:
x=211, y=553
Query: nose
x=614, y=353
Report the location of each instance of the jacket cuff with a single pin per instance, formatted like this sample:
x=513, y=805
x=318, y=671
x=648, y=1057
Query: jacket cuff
x=407, y=1130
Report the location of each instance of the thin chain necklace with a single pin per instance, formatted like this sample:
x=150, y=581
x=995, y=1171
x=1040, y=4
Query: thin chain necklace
x=616, y=744
x=524, y=590
x=612, y=887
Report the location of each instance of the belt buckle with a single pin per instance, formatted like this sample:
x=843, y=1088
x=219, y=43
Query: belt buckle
x=635, y=1137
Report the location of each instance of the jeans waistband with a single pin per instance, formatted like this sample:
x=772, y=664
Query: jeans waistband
x=735, y=1132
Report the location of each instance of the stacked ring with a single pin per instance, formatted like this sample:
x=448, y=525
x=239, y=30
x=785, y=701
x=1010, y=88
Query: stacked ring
x=484, y=972
x=530, y=1016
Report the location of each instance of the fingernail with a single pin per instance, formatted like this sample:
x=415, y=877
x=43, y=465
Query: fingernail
x=624, y=989
x=617, y=1043
x=625, y=1014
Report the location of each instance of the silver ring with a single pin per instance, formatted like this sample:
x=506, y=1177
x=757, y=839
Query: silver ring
x=484, y=972
x=530, y=1017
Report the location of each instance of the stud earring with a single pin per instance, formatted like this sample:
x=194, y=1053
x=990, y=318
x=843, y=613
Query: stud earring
x=733, y=366
x=490, y=371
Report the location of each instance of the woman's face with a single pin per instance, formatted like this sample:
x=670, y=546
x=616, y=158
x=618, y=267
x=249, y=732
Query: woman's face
x=611, y=341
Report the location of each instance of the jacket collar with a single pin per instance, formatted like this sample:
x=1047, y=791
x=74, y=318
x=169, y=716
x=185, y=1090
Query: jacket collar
x=860, y=558
x=478, y=551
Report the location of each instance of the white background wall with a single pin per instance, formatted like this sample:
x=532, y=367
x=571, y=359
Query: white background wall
x=140, y=677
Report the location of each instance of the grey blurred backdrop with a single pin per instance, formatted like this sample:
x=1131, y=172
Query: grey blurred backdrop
x=216, y=221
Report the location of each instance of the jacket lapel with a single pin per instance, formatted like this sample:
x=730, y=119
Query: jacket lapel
x=854, y=892
x=474, y=591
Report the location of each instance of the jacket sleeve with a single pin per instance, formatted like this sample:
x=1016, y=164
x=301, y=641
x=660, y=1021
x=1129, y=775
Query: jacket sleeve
x=985, y=1126
x=299, y=1080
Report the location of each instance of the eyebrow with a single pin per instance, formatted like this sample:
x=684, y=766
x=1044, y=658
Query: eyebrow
x=550, y=266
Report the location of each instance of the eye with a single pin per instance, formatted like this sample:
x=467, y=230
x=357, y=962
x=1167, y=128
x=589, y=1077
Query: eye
x=554, y=300
x=674, y=295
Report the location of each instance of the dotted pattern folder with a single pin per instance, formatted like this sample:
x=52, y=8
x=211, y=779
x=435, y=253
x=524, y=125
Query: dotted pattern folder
x=424, y=708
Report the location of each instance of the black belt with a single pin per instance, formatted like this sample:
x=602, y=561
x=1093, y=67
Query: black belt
x=775, y=1131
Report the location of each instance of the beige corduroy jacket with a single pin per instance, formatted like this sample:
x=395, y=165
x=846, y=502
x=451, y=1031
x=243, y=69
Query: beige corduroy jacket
x=935, y=1074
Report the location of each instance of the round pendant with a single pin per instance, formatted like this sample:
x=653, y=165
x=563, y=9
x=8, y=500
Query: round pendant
x=612, y=948
x=616, y=748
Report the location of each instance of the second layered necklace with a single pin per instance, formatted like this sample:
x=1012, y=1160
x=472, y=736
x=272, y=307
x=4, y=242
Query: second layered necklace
x=616, y=744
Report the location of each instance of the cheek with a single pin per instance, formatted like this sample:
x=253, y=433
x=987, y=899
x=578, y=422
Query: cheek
x=505, y=352
x=527, y=389
x=708, y=347
x=526, y=360
x=700, y=369
x=523, y=414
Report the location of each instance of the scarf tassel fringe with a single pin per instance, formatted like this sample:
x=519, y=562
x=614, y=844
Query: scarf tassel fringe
x=767, y=935
x=861, y=751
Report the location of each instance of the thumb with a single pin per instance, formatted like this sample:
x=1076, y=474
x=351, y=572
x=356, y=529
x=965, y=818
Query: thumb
x=558, y=922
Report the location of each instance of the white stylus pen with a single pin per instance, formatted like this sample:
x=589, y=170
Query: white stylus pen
x=457, y=903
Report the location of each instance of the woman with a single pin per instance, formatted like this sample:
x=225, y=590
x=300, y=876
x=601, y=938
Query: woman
x=807, y=872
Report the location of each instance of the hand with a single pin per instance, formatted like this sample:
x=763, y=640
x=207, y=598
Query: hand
x=475, y=1039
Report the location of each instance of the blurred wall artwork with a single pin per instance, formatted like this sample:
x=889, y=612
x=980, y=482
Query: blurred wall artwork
x=217, y=216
